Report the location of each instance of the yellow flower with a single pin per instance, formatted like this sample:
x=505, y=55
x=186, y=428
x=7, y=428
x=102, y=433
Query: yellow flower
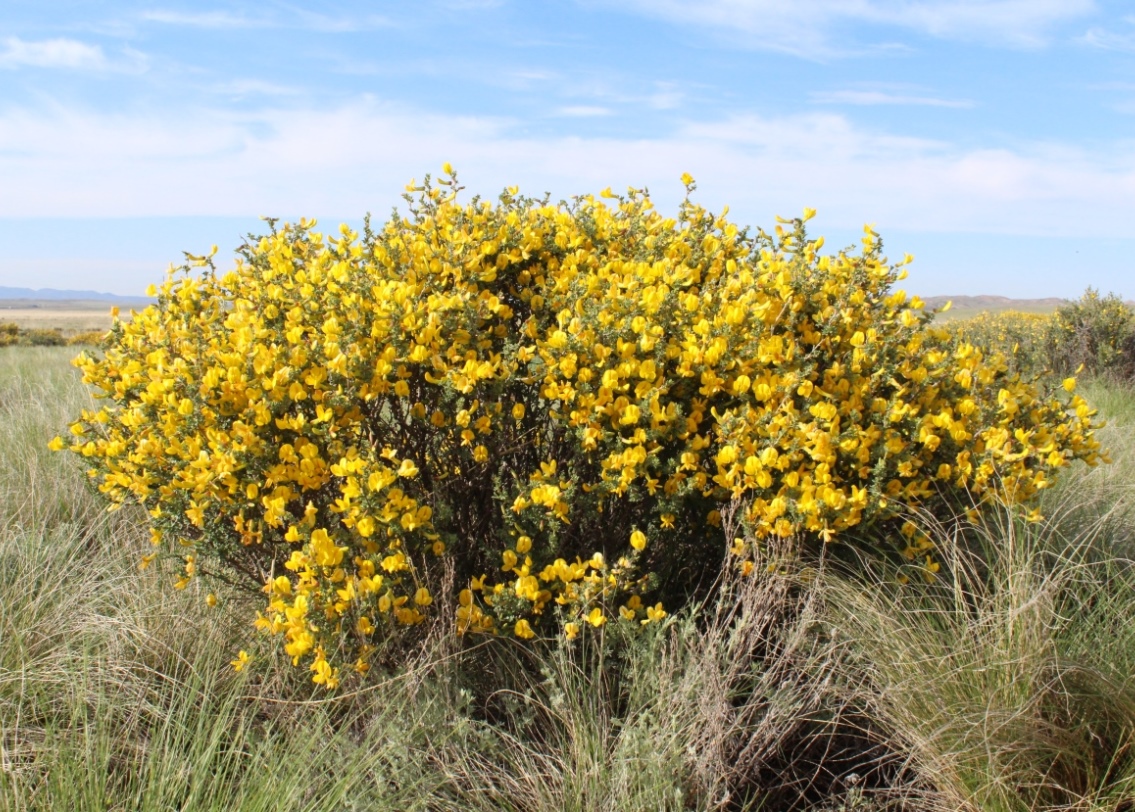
x=523, y=630
x=596, y=617
x=324, y=674
x=638, y=540
x=242, y=659
x=324, y=551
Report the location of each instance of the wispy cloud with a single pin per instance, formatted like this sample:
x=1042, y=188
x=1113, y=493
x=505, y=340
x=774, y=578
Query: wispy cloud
x=204, y=19
x=51, y=53
x=307, y=20
x=582, y=111
x=809, y=27
x=472, y=5
x=328, y=24
x=1012, y=22
x=223, y=163
x=589, y=92
x=243, y=88
x=1109, y=39
x=875, y=97
x=666, y=96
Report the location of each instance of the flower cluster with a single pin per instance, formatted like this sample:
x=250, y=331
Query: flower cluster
x=1023, y=339
x=553, y=402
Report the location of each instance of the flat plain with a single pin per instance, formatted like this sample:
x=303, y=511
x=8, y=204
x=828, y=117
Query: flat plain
x=69, y=315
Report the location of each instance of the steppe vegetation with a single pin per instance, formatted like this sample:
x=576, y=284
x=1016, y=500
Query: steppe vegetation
x=959, y=645
x=67, y=317
x=12, y=335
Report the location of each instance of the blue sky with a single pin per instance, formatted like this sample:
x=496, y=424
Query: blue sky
x=991, y=139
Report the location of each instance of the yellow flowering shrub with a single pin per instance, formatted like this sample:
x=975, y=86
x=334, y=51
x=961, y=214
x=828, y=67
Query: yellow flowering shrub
x=1021, y=338
x=91, y=338
x=551, y=403
x=9, y=334
x=14, y=335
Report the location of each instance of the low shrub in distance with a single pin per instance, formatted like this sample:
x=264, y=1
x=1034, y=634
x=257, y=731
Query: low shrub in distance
x=1094, y=333
x=90, y=338
x=1023, y=339
x=14, y=335
x=533, y=415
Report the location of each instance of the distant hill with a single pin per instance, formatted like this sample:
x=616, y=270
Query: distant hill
x=966, y=306
x=50, y=294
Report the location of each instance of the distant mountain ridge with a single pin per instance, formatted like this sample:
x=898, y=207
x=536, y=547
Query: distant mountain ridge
x=66, y=295
x=994, y=303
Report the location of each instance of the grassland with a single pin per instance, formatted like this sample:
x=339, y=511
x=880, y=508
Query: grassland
x=823, y=684
x=70, y=316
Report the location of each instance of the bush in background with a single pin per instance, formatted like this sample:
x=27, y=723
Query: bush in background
x=1095, y=333
x=9, y=334
x=12, y=335
x=89, y=338
x=1020, y=338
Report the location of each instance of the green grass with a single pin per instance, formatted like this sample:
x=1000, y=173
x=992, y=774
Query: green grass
x=1005, y=685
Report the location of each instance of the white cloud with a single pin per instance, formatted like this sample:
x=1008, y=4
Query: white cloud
x=242, y=88
x=875, y=97
x=205, y=19
x=471, y=5
x=666, y=96
x=306, y=20
x=582, y=111
x=1014, y=22
x=1108, y=40
x=51, y=53
x=810, y=27
x=344, y=161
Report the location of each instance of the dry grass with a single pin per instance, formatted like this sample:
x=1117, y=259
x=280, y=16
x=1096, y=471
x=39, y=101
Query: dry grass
x=1004, y=686
x=70, y=317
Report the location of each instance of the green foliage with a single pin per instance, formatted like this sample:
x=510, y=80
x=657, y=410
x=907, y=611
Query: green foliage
x=1096, y=333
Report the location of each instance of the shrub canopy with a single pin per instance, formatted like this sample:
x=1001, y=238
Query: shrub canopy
x=1095, y=333
x=544, y=407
